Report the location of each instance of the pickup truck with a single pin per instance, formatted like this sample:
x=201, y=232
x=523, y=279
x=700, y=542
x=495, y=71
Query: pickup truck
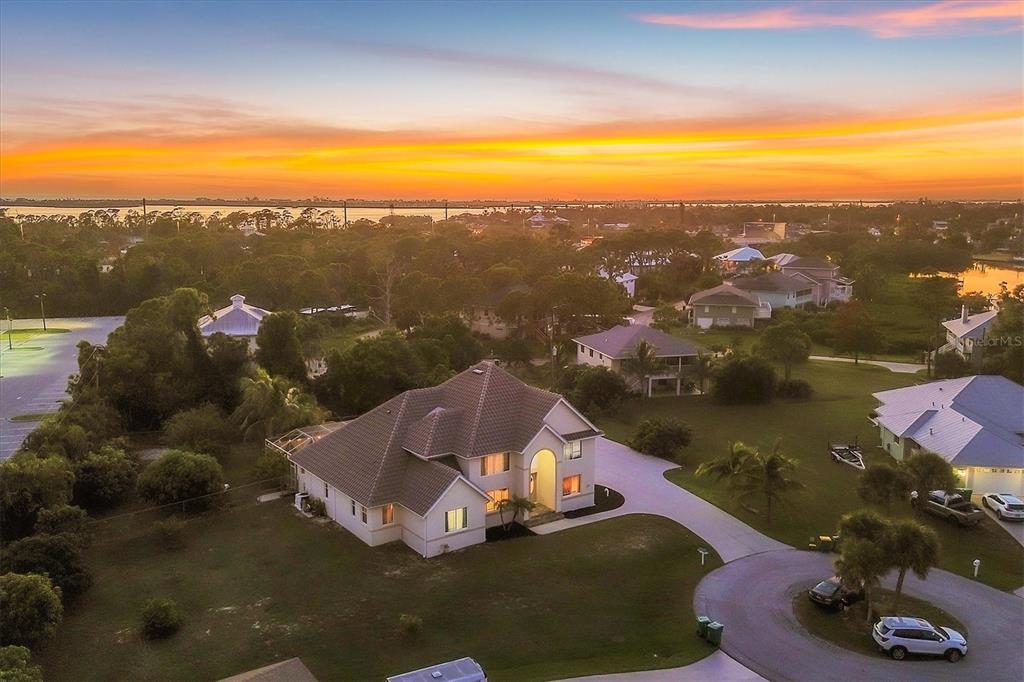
x=954, y=507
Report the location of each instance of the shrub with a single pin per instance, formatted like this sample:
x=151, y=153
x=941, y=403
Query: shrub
x=170, y=532
x=594, y=391
x=104, y=478
x=161, y=618
x=30, y=608
x=316, y=506
x=410, y=624
x=201, y=429
x=28, y=484
x=64, y=519
x=272, y=466
x=950, y=366
x=744, y=380
x=660, y=437
x=794, y=389
x=56, y=556
x=182, y=475
x=16, y=665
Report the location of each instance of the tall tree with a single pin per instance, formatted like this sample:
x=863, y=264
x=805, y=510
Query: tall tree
x=273, y=405
x=785, y=344
x=278, y=349
x=929, y=471
x=770, y=475
x=855, y=331
x=883, y=485
x=862, y=562
x=912, y=547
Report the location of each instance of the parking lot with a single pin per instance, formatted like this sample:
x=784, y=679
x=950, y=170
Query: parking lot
x=34, y=373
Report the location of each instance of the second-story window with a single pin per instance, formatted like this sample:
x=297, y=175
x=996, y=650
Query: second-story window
x=494, y=464
x=573, y=449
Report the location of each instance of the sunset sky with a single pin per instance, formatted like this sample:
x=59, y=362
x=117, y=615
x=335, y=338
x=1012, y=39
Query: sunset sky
x=692, y=100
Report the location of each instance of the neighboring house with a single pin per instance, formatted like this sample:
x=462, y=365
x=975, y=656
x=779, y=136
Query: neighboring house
x=739, y=259
x=726, y=306
x=760, y=232
x=975, y=423
x=541, y=220
x=830, y=285
x=966, y=334
x=482, y=316
x=626, y=280
x=238, y=319
x=614, y=348
x=429, y=466
x=778, y=289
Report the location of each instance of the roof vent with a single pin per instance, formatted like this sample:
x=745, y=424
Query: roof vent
x=477, y=370
x=437, y=674
x=931, y=432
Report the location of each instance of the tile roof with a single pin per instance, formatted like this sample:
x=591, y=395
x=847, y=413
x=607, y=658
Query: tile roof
x=402, y=451
x=620, y=342
x=975, y=327
x=970, y=421
x=771, y=281
x=725, y=294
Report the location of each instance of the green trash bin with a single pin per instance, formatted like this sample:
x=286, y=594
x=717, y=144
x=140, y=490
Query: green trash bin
x=715, y=633
x=702, y=626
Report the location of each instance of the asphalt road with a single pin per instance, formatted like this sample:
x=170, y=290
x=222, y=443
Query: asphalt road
x=34, y=374
x=753, y=597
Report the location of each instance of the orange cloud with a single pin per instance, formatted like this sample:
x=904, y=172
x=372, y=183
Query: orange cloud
x=948, y=16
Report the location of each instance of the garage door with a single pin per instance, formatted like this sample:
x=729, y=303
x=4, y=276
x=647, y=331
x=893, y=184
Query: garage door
x=985, y=480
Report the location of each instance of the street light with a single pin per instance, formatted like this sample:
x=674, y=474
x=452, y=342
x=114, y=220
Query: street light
x=42, y=311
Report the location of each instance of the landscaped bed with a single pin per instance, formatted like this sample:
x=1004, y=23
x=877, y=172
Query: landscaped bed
x=605, y=499
x=260, y=583
x=850, y=629
x=838, y=411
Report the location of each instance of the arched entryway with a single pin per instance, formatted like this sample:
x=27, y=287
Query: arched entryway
x=542, y=481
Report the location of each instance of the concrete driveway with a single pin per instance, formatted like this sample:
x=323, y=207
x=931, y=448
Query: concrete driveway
x=753, y=597
x=34, y=374
x=641, y=480
x=898, y=367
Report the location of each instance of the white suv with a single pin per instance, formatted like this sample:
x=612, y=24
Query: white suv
x=900, y=635
x=1005, y=505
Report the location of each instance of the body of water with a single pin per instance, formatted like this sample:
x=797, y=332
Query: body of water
x=354, y=214
x=986, y=278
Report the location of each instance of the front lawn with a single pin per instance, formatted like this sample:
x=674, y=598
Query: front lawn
x=260, y=584
x=850, y=629
x=838, y=412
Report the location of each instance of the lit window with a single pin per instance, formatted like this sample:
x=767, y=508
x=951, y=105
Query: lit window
x=571, y=485
x=363, y=514
x=493, y=464
x=573, y=449
x=387, y=515
x=499, y=495
x=456, y=519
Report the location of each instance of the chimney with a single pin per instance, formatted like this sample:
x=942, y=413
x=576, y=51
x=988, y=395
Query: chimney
x=963, y=314
x=237, y=300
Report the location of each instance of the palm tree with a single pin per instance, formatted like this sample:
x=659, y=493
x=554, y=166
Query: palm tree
x=515, y=504
x=912, y=547
x=770, y=475
x=641, y=364
x=702, y=370
x=730, y=467
x=271, y=405
x=862, y=562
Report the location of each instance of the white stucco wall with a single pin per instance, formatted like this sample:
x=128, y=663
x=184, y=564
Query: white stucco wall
x=459, y=495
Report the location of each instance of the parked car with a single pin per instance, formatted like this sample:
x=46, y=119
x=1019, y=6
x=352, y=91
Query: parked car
x=1006, y=506
x=900, y=635
x=834, y=593
x=953, y=507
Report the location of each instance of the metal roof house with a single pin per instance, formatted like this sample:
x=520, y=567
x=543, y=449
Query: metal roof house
x=430, y=466
x=739, y=258
x=976, y=423
x=614, y=348
x=237, y=319
x=461, y=670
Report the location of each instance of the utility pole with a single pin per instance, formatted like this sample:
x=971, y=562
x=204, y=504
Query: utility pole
x=42, y=311
x=682, y=214
x=446, y=210
x=10, y=329
x=345, y=205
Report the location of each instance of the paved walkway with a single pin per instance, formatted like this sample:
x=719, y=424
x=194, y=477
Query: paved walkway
x=641, y=480
x=898, y=367
x=718, y=666
x=753, y=596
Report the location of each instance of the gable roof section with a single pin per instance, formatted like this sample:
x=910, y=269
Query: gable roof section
x=970, y=421
x=725, y=294
x=975, y=327
x=771, y=281
x=743, y=254
x=620, y=342
x=401, y=451
x=237, y=319
x=811, y=262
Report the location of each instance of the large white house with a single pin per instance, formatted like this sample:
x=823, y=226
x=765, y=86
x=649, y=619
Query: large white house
x=966, y=334
x=976, y=423
x=238, y=319
x=429, y=466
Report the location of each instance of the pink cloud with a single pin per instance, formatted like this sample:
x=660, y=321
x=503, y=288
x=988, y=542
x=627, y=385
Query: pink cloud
x=883, y=21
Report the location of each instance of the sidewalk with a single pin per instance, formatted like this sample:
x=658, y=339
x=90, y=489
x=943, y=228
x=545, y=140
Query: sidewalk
x=898, y=367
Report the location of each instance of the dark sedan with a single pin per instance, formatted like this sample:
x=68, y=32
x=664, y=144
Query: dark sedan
x=834, y=593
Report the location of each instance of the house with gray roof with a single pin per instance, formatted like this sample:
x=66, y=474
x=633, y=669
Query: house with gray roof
x=829, y=285
x=430, y=466
x=966, y=334
x=778, y=289
x=975, y=423
x=726, y=306
x=616, y=347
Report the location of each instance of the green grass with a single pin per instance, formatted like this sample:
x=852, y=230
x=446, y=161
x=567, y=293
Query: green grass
x=343, y=338
x=20, y=335
x=33, y=417
x=850, y=629
x=259, y=584
x=838, y=412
